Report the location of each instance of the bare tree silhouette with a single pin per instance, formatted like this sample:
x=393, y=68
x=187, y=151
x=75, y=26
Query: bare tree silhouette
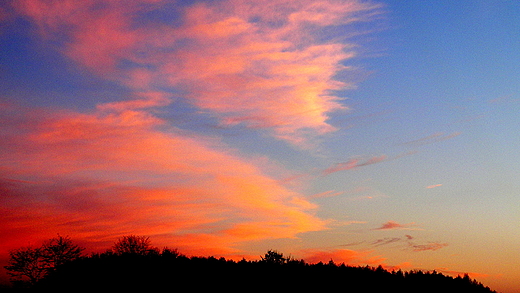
x=35, y=263
x=134, y=245
x=60, y=250
x=26, y=262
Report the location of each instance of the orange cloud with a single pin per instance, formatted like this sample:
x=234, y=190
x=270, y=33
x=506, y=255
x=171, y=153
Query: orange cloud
x=261, y=65
x=429, y=246
x=329, y=193
x=347, y=256
x=99, y=175
x=459, y=273
x=433, y=186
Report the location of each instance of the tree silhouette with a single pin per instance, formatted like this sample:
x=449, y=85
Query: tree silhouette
x=274, y=257
x=134, y=245
x=134, y=264
x=60, y=250
x=26, y=262
x=34, y=263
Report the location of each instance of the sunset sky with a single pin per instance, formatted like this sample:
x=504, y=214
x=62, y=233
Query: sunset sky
x=367, y=132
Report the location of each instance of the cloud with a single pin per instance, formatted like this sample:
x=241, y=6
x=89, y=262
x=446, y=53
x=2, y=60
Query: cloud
x=391, y=225
x=433, y=138
x=329, y=193
x=354, y=194
x=472, y=275
x=385, y=241
x=354, y=163
x=433, y=186
x=429, y=246
x=405, y=243
x=347, y=256
x=350, y=257
x=111, y=172
x=262, y=65
x=118, y=168
x=353, y=243
x=505, y=100
x=360, y=162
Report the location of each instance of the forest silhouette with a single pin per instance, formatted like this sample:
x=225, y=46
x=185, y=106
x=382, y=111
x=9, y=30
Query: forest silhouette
x=132, y=263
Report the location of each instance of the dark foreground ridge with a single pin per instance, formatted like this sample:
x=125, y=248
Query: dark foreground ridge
x=167, y=270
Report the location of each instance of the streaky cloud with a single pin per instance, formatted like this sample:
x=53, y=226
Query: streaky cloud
x=111, y=172
x=472, y=275
x=432, y=246
x=257, y=63
x=385, y=241
x=433, y=138
x=329, y=193
x=354, y=163
x=347, y=256
x=391, y=225
x=361, y=162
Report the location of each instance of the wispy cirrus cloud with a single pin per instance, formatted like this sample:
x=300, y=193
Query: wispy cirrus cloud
x=325, y=194
x=432, y=246
x=385, y=241
x=112, y=172
x=391, y=225
x=473, y=275
x=352, y=243
x=355, y=194
x=433, y=138
x=354, y=163
x=263, y=65
x=347, y=256
x=409, y=244
x=361, y=162
x=119, y=168
x=350, y=257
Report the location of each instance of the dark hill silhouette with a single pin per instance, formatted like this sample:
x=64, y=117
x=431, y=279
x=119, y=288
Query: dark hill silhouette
x=133, y=264
x=170, y=270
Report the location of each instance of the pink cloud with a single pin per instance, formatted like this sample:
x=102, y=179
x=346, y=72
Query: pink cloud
x=390, y=225
x=433, y=138
x=347, y=256
x=472, y=275
x=108, y=173
x=433, y=186
x=354, y=163
x=245, y=72
x=350, y=257
x=329, y=193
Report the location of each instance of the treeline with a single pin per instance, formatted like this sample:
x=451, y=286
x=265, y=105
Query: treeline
x=133, y=264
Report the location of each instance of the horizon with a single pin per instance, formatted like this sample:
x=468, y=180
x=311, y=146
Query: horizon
x=367, y=132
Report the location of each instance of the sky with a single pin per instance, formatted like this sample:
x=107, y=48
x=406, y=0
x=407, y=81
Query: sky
x=367, y=132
